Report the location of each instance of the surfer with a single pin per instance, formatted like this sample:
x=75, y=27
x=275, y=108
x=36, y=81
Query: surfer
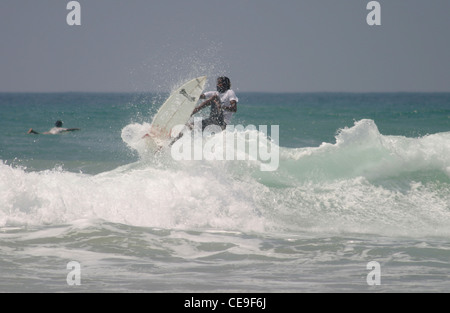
x=58, y=129
x=223, y=104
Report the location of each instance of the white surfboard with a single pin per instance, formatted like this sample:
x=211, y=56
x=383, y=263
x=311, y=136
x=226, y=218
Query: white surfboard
x=176, y=110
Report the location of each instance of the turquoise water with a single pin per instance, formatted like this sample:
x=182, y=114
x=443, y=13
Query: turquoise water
x=361, y=177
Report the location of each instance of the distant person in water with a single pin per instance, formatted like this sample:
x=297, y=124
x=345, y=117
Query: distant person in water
x=58, y=129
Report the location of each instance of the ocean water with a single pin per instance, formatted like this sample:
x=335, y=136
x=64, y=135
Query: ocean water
x=360, y=178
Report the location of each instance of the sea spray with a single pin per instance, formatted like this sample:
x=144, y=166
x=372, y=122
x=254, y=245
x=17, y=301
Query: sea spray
x=361, y=151
x=136, y=195
x=213, y=144
x=366, y=182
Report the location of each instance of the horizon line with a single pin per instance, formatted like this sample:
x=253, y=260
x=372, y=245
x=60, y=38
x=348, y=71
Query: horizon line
x=240, y=91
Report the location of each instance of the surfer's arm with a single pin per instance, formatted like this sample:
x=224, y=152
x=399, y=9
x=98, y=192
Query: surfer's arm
x=205, y=103
x=232, y=107
x=71, y=129
x=201, y=106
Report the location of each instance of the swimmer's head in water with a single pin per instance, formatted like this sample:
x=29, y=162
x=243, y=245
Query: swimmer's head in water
x=58, y=123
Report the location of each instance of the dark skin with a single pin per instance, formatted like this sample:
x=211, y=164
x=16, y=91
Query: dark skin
x=216, y=99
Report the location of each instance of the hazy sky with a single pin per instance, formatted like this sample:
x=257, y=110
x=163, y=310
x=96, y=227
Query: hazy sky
x=274, y=46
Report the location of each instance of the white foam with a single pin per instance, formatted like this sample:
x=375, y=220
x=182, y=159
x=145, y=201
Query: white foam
x=358, y=184
x=363, y=151
x=142, y=196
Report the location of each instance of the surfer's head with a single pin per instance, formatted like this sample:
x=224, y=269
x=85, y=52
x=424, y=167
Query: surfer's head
x=223, y=84
x=58, y=123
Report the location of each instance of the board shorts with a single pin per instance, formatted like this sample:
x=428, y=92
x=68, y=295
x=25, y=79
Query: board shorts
x=213, y=120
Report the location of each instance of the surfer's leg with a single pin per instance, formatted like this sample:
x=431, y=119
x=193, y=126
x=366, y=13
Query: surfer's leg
x=176, y=138
x=190, y=126
x=31, y=131
x=207, y=122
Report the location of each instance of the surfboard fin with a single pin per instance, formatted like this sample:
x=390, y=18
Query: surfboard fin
x=184, y=93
